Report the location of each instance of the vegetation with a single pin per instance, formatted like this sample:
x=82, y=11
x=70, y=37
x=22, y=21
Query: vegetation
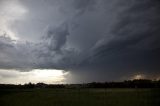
x=142, y=83
x=80, y=97
x=127, y=93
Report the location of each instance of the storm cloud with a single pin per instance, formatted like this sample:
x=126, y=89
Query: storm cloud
x=95, y=40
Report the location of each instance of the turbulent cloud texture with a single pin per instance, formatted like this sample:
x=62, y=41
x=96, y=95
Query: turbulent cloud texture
x=96, y=40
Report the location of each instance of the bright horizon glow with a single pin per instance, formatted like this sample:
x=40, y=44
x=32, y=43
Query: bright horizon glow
x=49, y=76
x=138, y=76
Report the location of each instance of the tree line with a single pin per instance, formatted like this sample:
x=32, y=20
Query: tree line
x=142, y=83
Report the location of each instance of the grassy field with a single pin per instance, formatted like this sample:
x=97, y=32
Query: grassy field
x=80, y=97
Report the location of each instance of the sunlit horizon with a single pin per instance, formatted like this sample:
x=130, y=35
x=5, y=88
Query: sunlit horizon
x=48, y=76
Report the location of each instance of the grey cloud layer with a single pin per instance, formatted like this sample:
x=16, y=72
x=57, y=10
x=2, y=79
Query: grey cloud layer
x=88, y=37
x=14, y=55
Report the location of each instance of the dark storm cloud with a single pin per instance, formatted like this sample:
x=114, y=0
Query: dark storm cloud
x=14, y=55
x=53, y=52
x=133, y=46
x=135, y=43
x=83, y=5
x=56, y=37
x=95, y=40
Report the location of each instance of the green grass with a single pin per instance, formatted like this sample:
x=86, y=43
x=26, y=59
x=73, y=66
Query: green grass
x=80, y=97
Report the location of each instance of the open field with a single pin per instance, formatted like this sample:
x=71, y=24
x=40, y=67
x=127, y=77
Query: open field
x=80, y=97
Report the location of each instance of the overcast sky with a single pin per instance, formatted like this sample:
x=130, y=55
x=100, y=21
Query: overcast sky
x=92, y=40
